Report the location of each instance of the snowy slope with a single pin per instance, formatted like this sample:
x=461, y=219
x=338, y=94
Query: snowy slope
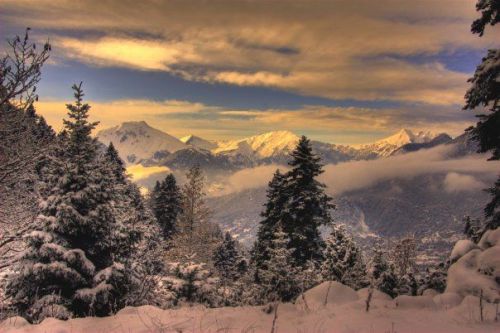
x=344, y=312
x=198, y=142
x=261, y=146
x=387, y=146
x=137, y=140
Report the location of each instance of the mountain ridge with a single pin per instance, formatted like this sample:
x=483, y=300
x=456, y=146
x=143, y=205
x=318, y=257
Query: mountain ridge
x=139, y=143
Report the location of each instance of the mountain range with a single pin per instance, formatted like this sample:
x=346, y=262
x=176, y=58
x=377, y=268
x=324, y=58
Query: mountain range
x=423, y=204
x=139, y=143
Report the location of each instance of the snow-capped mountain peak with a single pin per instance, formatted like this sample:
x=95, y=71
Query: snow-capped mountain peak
x=136, y=140
x=387, y=146
x=262, y=145
x=198, y=142
x=405, y=136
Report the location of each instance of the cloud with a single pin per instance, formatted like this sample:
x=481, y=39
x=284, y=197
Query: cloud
x=456, y=182
x=333, y=49
x=342, y=125
x=250, y=178
x=140, y=172
x=355, y=175
x=349, y=176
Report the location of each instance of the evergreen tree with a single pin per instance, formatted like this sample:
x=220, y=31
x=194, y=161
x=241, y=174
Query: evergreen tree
x=435, y=278
x=70, y=267
x=307, y=206
x=485, y=92
x=116, y=163
x=166, y=204
x=408, y=285
x=472, y=229
x=228, y=260
x=383, y=276
x=276, y=200
x=343, y=261
x=191, y=282
x=281, y=278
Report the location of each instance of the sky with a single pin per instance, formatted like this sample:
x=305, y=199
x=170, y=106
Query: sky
x=345, y=72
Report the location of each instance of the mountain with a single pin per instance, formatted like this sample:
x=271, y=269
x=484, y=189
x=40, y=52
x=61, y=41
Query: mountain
x=198, y=142
x=136, y=141
x=440, y=139
x=260, y=146
x=387, y=146
x=391, y=208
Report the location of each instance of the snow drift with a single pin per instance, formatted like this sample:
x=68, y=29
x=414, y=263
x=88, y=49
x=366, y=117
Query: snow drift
x=476, y=268
x=343, y=311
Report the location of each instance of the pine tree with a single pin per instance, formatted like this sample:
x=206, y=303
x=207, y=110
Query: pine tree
x=435, y=278
x=166, y=204
x=485, y=92
x=382, y=272
x=70, y=267
x=227, y=259
x=276, y=200
x=307, y=206
x=343, y=261
x=280, y=279
x=116, y=163
x=472, y=229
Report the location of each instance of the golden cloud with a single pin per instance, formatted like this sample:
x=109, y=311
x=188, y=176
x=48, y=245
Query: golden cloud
x=334, y=124
x=333, y=49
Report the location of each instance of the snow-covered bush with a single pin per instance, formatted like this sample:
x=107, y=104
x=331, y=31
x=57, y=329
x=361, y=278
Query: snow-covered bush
x=190, y=282
x=476, y=270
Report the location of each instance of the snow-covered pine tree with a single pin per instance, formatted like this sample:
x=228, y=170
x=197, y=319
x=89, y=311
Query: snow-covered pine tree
x=116, y=163
x=408, y=285
x=276, y=201
x=485, y=92
x=228, y=260
x=472, y=229
x=70, y=267
x=343, y=260
x=281, y=278
x=435, y=278
x=191, y=282
x=308, y=205
x=382, y=273
x=166, y=204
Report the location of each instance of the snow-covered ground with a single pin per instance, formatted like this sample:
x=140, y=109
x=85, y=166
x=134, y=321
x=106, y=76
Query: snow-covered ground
x=345, y=311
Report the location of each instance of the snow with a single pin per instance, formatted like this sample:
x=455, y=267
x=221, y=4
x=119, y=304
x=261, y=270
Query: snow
x=478, y=270
x=331, y=292
x=198, y=142
x=137, y=140
x=264, y=145
x=386, y=146
x=490, y=238
x=414, y=314
x=376, y=295
x=414, y=302
x=447, y=300
x=461, y=248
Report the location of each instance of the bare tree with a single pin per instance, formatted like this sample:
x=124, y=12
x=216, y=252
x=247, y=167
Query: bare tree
x=21, y=144
x=403, y=254
x=196, y=235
